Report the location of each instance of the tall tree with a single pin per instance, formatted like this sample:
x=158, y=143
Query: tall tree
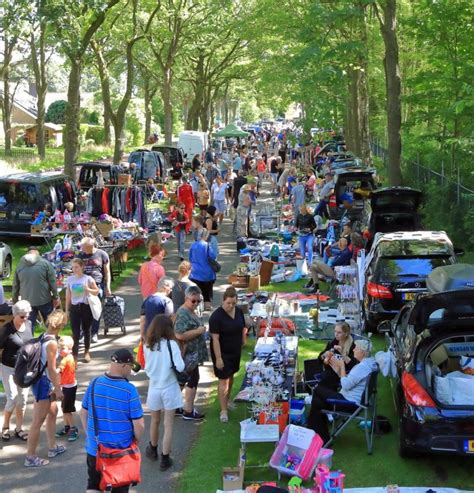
x=132, y=33
x=40, y=53
x=75, y=23
x=386, y=11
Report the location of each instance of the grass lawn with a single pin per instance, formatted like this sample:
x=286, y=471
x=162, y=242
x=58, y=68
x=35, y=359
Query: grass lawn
x=218, y=445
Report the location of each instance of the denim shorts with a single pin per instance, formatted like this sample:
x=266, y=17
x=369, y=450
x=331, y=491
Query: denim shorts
x=42, y=389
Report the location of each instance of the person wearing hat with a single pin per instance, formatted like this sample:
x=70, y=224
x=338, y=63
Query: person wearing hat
x=35, y=281
x=326, y=191
x=185, y=195
x=118, y=410
x=352, y=387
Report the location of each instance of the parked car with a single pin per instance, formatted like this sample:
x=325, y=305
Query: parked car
x=358, y=184
x=148, y=164
x=88, y=173
x=173, y=159
x=391, y=209
x=6, y=260
x=396, y=269
x=431, y=338
x=24, y=195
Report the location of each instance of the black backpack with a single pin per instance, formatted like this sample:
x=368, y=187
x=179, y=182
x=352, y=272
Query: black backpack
x=28, y=366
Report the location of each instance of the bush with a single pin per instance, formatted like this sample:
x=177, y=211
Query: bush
x=96, y=133
x=57, y=112
x=133, y=131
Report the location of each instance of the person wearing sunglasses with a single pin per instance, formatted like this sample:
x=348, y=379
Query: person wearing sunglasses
x=189, y=331
x=12, y=337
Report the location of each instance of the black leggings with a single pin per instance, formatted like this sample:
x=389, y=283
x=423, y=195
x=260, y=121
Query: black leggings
x=317, y=421
x=81, y=316
x=206, y=287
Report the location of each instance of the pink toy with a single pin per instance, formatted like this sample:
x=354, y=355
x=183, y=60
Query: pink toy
x=58, y=217
x=327, y=481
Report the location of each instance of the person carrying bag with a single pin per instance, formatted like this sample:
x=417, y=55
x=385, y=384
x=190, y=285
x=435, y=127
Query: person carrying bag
x=113, y=427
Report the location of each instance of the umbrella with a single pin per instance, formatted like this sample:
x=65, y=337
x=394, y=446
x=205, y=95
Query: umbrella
x=231, y=131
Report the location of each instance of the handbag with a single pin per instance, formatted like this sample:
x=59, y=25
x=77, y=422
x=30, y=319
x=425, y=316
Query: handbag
x=215, y=265
x=117, y=467
x=191, y=361
x=141, y=355
x=95, y=305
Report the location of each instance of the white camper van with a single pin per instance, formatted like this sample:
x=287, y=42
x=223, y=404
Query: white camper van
x=193, y=142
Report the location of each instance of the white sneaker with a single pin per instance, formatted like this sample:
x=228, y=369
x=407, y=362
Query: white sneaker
x=95, y=338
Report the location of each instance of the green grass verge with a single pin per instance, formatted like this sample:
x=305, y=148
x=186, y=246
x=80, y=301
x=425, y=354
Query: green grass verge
x=55, y=158
x=218, y=444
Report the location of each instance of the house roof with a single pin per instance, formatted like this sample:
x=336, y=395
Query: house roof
x=24, y=102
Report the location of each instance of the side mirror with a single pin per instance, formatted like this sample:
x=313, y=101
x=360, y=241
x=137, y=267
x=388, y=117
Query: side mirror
x=459, y=252
x=385, y=327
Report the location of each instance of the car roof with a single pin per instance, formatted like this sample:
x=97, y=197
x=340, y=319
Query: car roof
x=36, y=177
x=451, y=278
x=95, y=164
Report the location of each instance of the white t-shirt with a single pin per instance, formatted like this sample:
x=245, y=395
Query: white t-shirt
x=218, y=191
x=77, y=287
x=158, y=364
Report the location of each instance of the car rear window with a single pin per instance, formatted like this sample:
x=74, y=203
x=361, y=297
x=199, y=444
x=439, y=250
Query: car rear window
x=391, y=269
x=17, y=193
x=414, y=248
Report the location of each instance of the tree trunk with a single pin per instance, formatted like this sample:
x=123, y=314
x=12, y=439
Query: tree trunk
x=119, y=140
x=147, y=101
x=7, y=110
x=107, y=123
x=363, y=93
x=40, y=129
x=72, y=129
x=167, y=105
x=393, y=86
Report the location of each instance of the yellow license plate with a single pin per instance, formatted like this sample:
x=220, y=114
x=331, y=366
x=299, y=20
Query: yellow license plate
x=3, y=214
x=408, y=296
x=469, y=446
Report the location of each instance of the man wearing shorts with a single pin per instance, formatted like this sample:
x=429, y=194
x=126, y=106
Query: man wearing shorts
x=119, y=414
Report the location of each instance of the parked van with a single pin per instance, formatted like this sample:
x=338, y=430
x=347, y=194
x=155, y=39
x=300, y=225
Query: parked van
x=23, y=195
x=192, y=143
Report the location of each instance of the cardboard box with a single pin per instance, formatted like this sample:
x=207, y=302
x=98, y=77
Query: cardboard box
x=104, y=229
x=233, y=477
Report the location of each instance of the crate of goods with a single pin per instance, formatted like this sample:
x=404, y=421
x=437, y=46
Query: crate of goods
x=104, y=229
x=297, y=452
x=241, y=282
x=124, y=179
x=113, y=313
x=233, y=477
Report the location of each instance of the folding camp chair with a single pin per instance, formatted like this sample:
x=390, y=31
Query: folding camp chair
x=312, y=373
x=366, y=411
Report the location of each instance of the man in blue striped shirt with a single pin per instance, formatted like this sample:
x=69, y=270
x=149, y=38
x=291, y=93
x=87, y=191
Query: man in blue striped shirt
x=119, y=414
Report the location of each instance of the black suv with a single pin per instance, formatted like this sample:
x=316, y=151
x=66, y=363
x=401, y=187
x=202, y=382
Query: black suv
x=396, y=269
x=431, y=339
x=391, y=209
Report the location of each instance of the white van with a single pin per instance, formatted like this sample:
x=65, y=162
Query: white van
x=193, y=142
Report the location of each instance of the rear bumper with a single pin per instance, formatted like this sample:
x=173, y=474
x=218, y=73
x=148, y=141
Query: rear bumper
x=440, y=435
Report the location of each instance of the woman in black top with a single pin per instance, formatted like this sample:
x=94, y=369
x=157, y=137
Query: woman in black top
x=343, y=346
x=12, y=337
x=227, y=328
x=213, y=227
x=305, y=226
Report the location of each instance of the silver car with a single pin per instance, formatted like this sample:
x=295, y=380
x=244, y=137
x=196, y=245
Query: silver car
x=6, y=261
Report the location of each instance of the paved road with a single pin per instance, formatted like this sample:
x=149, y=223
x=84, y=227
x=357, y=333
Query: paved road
x=68, y=472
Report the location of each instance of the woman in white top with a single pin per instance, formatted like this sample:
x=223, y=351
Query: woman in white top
x=78, y=287
x=164, y=394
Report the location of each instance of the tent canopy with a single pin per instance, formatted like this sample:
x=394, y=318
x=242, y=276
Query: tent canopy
x=231, y=131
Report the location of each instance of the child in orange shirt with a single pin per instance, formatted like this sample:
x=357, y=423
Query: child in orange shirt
x=67, y=369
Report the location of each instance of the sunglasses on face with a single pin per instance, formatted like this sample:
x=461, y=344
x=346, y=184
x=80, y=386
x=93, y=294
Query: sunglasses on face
x=24, y=316
x=194, y=301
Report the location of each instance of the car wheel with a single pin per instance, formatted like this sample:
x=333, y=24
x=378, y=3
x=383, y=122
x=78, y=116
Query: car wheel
x=7, y=268
x=403, y=450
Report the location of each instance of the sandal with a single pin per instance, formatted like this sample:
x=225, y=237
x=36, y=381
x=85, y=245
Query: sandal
x=6, y=434
x=21, y=435
x=224, y=417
